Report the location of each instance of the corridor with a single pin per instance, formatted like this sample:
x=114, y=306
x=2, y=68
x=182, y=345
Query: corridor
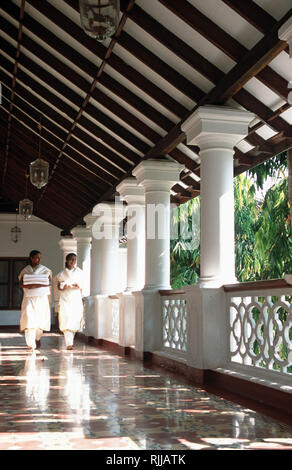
x=89, y=398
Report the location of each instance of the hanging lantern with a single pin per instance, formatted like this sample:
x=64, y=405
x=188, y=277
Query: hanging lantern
x=15, y=232
x=39, y=169
x=26, y=205
x=26, y=208
x=39, y=172
x=99, y=18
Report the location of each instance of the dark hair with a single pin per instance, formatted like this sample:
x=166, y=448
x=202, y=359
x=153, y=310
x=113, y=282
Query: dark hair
x=70, y=255
x=32, y=254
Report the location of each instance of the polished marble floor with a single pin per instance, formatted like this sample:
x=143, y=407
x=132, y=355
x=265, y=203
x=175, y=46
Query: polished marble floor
x=89, y=398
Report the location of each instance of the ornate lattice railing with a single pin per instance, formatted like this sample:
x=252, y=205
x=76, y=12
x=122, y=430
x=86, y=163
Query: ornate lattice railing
x=260, y=325
x=174, y=321
x=115, y=310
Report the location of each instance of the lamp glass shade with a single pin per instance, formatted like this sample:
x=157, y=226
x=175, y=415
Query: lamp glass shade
x=99, y=18
x=15, y=234
x=39, y=172
x=26, y=208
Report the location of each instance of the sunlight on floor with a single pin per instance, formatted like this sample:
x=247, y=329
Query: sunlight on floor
x=93, y=399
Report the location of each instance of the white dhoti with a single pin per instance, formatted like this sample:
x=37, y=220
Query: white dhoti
x=32, y=335
x=35, y=313
x=69, y=337
x=35, y=308
x=70, y=303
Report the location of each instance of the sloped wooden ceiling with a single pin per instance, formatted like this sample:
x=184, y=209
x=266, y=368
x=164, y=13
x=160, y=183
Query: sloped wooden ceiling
x=107, y=106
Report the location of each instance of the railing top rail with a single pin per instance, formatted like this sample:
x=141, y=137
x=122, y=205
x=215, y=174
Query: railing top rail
x=257, y=285
x=169, y=292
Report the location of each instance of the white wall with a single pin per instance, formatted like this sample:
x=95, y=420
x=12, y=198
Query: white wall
x=36, y=234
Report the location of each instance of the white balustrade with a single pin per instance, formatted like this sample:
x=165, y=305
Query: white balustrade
x=174, y=322
x=260, y=329
x=115, y=303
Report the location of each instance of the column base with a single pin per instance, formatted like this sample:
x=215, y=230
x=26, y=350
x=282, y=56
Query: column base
x=215, y=282
x=155, y=287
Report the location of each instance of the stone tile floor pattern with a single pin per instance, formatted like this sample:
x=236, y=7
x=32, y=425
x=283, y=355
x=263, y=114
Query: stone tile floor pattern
x=89, y=398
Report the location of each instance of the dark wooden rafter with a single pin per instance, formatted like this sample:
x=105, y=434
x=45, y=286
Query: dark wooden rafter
x=17, y=181
x=114, y=61
x=76, y=141
x=83, y=63
x=74, y=189
x=73, y=199
x=81, y=83
x=175, y=136
x=270, y=44
x=84, y=104
x=16, y=184
x=56, y=131
x=76, y=100
x=253, y=13
x=175, y=44
x=15, y=69
x=150, y=59
x=25, y=138
x=45, y=212
x=75, y=180
x=210, y=71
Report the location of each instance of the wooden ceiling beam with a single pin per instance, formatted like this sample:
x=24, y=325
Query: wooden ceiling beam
x=152, y=61
x=81, y=83
x=231, y=47
x=253, y=13
x=13, y=188
x=43, y=213
x=175, y=44
x=13, y=84
x=49, y=133
x=84, y=194
x=100, y=97
x=249, y=102
x=71, y=198
x=173, y=138
x=65, y=91
x=84, y=64
x=26, y=139
x=73, y=159
x=114, y=61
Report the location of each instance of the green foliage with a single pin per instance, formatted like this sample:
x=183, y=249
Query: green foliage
x=185, y=247
x=263, y=241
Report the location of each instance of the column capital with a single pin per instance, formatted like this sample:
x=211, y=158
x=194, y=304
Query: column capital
x=112, y=212
x=108, y=215
x=67, y=244
x=157, y=174
x=217, y=126
x=89, y=219
x=285, y=34
x=81, y=233
x=131, y=192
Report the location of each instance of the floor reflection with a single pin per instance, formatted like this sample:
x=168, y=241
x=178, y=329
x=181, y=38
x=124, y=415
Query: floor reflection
x=92, y=399
x=37, y=376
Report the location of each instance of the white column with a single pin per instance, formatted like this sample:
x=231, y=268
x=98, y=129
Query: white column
x=95, y=257
x=157, y=178
x=106, y=229
x=217, y=130
x=67, y=245
x=82, y=235
x=135, y=198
